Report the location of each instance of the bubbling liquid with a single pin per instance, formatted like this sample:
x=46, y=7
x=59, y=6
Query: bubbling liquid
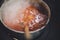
x=29, y=16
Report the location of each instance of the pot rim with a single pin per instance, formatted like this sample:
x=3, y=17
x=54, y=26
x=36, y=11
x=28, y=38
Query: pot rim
x=30, y=31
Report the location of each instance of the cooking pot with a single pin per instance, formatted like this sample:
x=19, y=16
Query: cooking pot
x=14, y=5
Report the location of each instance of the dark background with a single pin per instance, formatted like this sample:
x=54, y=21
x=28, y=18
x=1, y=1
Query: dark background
x=50, y=32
